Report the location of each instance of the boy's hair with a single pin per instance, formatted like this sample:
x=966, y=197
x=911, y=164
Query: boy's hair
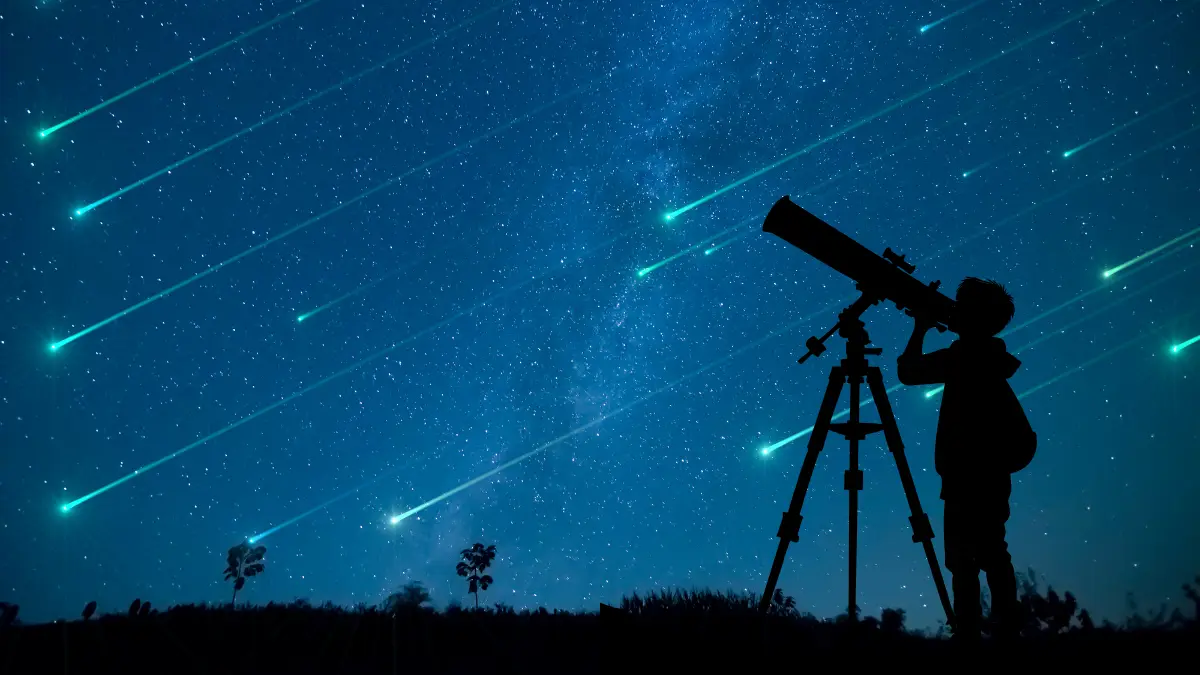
x=988, y=305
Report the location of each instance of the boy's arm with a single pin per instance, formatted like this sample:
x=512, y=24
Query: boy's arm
x=915, y=367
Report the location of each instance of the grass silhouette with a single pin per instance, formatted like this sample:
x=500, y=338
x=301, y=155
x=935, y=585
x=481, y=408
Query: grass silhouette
x=672, y=630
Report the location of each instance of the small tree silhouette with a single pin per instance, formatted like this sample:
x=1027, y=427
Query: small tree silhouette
x=244, y=562
x=474, y=561
x=135, y=606
x=89, y=610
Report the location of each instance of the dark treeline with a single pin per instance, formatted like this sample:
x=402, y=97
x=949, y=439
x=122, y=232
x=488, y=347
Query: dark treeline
x=663, y=631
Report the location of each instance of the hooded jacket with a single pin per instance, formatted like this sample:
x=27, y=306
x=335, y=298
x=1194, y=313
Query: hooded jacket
x=975, y=372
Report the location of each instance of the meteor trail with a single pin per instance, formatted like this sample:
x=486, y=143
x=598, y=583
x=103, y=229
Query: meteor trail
x=1113, y=270
x=319, y=507
x=1184, y=345
x=944, y=19
x=291, y=108
x=969, y=172
x=367, y=286
x=284, y=401
x=717, y=247
x=191, y=61
x=578, y=430
x=647, y=270
x=1066, y=191
x=1128, y=124
x=880, y=113
x=287, y=233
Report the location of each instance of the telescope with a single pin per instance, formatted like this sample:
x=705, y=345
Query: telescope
x=887, y=277
x=878, y=278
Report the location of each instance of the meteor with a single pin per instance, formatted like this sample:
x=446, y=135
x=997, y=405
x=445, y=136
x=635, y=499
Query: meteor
x=937, y=390
x=1090, y=362
x=1128, y=124
x=1113, y=270
x=944, y=19
x=647, y=270
x=367, y=286
x=291, y=108
x=972, y=171
x=191, y=61
x=717, y=247
x=1066, y=191
x=319, y=507
x=884, y=111
x=1175, y=349
x=578, y=430
x=287, y=233
x=284, y=401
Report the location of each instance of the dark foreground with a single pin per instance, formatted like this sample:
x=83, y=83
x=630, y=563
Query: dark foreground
x=694, y=636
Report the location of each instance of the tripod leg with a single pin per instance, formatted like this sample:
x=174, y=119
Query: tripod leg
x=922, y=530
x=789, y=526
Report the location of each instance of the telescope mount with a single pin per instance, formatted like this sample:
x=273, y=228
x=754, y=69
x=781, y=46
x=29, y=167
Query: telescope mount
x=853, y=369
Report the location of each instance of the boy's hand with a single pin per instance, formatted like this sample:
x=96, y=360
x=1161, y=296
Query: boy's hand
x=921, y=323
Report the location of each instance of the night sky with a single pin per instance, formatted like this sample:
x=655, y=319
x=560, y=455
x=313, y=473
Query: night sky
x=538, y=149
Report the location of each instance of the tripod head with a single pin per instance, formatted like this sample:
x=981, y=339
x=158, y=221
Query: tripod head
x=849, y=326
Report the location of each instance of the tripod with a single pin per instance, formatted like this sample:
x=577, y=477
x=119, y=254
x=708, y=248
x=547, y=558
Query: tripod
x=853, y=369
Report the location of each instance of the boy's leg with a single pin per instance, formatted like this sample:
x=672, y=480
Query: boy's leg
x=996, y=561
x=958, y=531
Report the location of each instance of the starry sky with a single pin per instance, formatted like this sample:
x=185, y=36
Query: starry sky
x=471, y=218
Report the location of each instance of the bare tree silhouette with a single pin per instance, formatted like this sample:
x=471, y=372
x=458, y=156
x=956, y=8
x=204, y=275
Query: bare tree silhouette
x=474, y=561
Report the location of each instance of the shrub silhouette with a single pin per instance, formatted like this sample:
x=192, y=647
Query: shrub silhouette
x=89, y=610
x=412, y=596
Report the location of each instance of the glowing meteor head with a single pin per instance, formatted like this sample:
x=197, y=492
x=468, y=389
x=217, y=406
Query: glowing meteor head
x=252, y=540
x=54, y=346
x=43, y=133
x=924, y=29
x=1068, y=153
x=301, y=318
x=395, y=520
x=79, y=212
x=644, y=271
x=1174, y=349
x=65, y=508
x=1107, y=274
x=668, y=218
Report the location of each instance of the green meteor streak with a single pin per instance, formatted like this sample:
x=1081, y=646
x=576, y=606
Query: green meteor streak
x=191, y=61
x=367, y=286
x=801, y=434
x=1175, y=349
x=291, y=108
x=578, y=430
x=287, y=233
x=284, y=401
x=970, y=172
x=944, y=19
x=1128, y=124
x=647, y=270
x=876, y=115
x=319, y=507
x=1183, y=237
x=725, y=243
x=1087, y=317
x=1066, y=191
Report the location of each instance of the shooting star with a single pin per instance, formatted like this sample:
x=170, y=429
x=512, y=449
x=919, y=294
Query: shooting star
x=944, y=19
x=458, y=149
x=1175, y=349
x=320, y=507
x=718, y=247
x=1148, y=254
x=1135, y=120
x=884, y=111
x=191, y=61
x=79, y=212
x=647, y=270
x=974, y=170
x=365, y=287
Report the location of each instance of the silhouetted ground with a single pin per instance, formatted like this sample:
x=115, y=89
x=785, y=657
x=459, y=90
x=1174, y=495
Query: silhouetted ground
x=695, y=632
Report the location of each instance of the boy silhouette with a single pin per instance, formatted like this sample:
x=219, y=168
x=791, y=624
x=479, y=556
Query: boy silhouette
x=969, y=453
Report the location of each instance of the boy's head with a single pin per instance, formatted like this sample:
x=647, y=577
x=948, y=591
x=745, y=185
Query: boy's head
x=982, y=308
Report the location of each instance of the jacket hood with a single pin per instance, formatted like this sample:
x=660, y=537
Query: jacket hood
x=988, y=357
